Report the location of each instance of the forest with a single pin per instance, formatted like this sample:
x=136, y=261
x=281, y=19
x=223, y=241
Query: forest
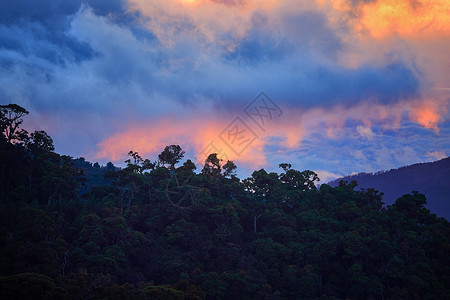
x=165, y=228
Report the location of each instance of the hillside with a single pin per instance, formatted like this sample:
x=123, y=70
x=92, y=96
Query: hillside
x=431, y=179
x=162, y=229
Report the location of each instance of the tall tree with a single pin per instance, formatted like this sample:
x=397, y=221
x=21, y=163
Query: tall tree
x=212, y=167
x=229, y=169
x=10, y=120
x=171, y=155
x=40, y=142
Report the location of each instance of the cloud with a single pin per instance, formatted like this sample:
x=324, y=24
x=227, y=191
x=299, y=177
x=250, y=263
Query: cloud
x=139, y=75
x=39, y=28
x=408, y=19
x=149, y=140
x=430, y=113
x=365, y=132
x=213, y=23
x=436, y=155
x=341, y=134
x=326, y=176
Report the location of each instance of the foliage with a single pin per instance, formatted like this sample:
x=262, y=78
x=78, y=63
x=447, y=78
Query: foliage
x=68, y=233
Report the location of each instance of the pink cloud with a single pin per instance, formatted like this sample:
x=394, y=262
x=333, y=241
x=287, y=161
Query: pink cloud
x=196, y=131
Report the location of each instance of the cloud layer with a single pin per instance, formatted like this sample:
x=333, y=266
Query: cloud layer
x=105, y=77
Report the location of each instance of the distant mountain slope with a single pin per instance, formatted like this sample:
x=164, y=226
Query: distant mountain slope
x=431, y=179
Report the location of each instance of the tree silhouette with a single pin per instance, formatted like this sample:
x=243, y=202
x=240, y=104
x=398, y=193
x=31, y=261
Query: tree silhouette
x=171, y=155
x=10, y=120
x=229, y=169
x=212, y=167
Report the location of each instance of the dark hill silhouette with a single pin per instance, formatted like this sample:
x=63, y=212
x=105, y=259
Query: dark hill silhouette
x=431, y=179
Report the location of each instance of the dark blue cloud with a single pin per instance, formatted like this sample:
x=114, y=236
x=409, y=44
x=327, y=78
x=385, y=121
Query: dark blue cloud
x=33, y=39
x=333, y=84
x=303, y=83
x=47, y=12
x=40, y=28
x=54, y=12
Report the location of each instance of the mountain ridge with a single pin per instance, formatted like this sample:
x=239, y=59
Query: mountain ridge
x=429, y=178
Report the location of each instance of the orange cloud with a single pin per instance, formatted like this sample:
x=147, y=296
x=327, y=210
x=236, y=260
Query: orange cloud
x=406, y=18
x=428, y=114
x=200, y=134
x=382, y=32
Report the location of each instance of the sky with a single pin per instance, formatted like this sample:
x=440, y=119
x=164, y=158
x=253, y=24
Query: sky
x=333, y=86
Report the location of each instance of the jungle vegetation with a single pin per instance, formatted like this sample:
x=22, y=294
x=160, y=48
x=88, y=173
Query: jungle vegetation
x=168, y=229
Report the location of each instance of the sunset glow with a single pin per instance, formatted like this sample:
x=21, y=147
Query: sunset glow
x=428, y=116
x=410, y=19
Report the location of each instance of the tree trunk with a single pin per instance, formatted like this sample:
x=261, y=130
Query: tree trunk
x=254, y=221
x=63, y=263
